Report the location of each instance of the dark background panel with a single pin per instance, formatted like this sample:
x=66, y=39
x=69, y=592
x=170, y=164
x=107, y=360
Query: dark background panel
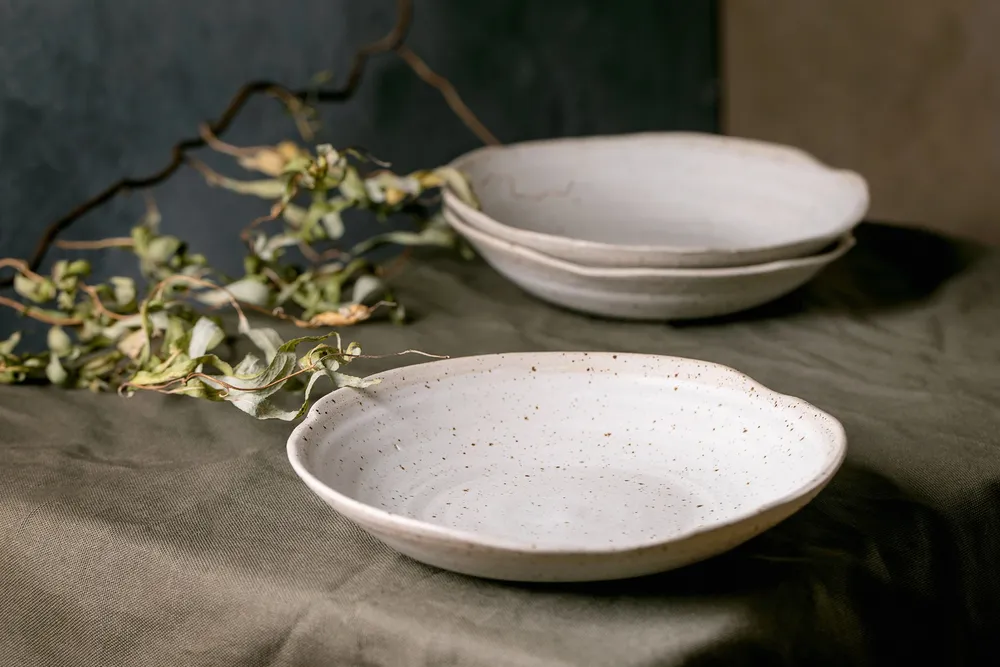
x=94, y=90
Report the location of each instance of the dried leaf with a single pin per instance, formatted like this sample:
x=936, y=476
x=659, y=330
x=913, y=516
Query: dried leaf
x=132, y=344
x=90, y=331
x=256, y=383
x=267, y=340
x=330, y=288
x=170, y=370
x=59, y=342
x=247, y=290
x=123, y=290
x=7, y=346
x=436, y=233
x=333, y=225
x=66, y=301
x=100, y=364
x=342, y=317
x=267, y=248
x=367, y=287
x=55, y=372
x=291, y=288
x=252, y=383
x=205, y=336
x=66, y=274
x=271, y=160
x=352, y=187
x=450, y=178
x=166, y=346
x=161, y=249
x=158, y=321
x=328, y=154
x=454, y=180
x=38, y=290
x=271, y=188
x=343, y=380
x=314, y=214
x=293, y=215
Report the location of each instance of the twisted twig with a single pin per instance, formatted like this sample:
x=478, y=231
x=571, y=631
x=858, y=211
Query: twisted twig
x=449, y=93
x=392, y=41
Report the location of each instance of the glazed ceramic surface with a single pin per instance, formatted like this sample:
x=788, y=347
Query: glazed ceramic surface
x=664, y=200
x=646, y=294
x=565, y=466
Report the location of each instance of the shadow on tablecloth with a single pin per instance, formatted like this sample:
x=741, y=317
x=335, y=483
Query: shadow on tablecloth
x=862, y=563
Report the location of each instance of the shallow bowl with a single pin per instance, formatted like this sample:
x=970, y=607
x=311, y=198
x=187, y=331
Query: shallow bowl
x=565, y=466
x=660, y=200
x=647, y=294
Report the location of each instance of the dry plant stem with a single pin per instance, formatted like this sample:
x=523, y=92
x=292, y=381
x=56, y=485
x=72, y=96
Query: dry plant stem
x=21, y=267
x=210, y=175
x=191, y=280
x=394, y=38
x=275, y=213
x=332, y=253
x=274, y=278
x=310, y=254
x=225, y=385
x=99, y=244
x=293, y=102
x=220, y=146
x=279, y=314
x=397, y=354
x=27, y=311
x=230, y=387
x=449, y=93
x=99, y=305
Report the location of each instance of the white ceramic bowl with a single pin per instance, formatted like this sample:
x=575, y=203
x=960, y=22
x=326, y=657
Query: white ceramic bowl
x=570, y=466
x=660, y=200
x=646, y=294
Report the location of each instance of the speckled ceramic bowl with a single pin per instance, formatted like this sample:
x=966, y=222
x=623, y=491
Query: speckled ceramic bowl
x=565, y=466
x=660, y=199
x=647, y=294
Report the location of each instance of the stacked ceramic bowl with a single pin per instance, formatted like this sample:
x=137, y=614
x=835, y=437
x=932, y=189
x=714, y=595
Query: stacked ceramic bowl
x=662, y=226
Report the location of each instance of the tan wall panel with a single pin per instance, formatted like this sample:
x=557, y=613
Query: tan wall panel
x=907, y=92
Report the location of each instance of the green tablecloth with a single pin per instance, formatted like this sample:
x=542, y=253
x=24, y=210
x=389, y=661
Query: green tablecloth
x=158, y=531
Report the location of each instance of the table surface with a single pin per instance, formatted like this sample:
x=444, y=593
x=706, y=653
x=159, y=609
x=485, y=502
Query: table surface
x=168, y=531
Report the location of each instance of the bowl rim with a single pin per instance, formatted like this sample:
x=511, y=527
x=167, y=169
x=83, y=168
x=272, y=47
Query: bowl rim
x=765, y=150
x=844, y=243
x=367, y=515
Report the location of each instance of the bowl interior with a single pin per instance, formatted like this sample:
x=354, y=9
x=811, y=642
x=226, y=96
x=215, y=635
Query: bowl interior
x=683, y=191
x=568, y=451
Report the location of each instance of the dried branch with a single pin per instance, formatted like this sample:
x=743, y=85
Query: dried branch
x=214, y=379
x=28, y=311
x=198, y=282
x=228, y=387
x=20, y=266
x=99, y=305
x=113, y=335
x=449, y=93
x=99, y=244
x=295, y=101
x=392, y=40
